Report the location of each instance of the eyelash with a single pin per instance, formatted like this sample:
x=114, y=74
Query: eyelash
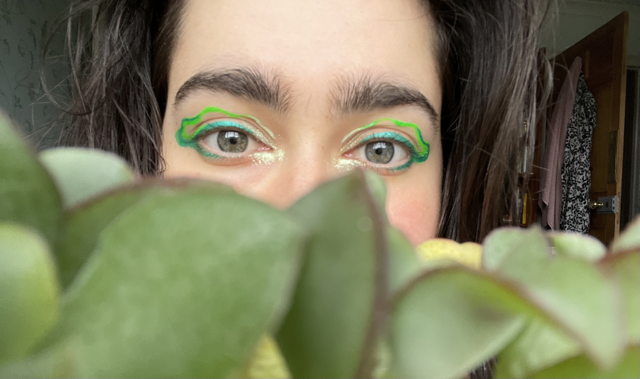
x=219, y=126
x=395, y=139
x=195, y=141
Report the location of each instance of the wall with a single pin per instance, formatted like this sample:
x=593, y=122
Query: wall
x=578, y=18
x=24, y=27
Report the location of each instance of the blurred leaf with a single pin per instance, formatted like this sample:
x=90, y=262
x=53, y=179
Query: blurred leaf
x=86, y=222
x=324, y=333
x=578, y=245
x=468, y=253
x=582, y=367
x=29, y=294
x=404, y=263
x=573, y=291
x=450, y=320
x=540, y=345
x=81, y=174
x=624, y=268
x=377, y=187
x=629, y=239
x=504, y=241
x=266, y=361
x=27, y=193
x=57, y=362
x=181, y=285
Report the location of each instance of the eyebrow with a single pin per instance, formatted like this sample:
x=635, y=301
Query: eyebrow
x=353, y=94
x=251, y=84
x=365, y=93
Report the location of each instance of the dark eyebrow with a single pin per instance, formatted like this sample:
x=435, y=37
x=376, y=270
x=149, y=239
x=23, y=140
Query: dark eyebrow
x=246, y=83
x=365, y=93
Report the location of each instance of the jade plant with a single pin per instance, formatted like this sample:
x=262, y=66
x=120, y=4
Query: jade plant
x=103, y=274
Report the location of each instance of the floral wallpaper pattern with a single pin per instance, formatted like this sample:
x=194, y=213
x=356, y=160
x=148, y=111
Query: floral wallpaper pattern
x=24, y=27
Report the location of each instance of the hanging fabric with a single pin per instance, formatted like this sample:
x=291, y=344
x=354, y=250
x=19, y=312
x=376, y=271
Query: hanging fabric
x=576, y=173
x=550, y=200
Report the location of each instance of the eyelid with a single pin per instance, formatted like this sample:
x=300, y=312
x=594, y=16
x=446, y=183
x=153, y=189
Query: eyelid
x=421, y=153
x=211, y=126
x=196, y=119
x=205, y=129
x=390, y=136
x=358, y=140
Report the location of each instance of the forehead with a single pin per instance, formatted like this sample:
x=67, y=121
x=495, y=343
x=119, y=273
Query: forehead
x=309, y=42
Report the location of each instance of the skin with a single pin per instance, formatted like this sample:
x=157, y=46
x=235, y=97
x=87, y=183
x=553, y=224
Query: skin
x=308, y=45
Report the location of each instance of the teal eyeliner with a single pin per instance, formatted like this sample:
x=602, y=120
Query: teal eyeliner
x=415, y=157
x=193, y=141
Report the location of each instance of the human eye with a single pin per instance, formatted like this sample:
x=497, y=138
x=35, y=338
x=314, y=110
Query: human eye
x=228, y=139
x=228, y=142
x=386, y=151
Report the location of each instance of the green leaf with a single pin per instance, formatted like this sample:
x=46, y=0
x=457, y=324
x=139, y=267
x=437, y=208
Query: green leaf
x=56, y=362
x=181, y=285
x=502, y=242
x=377, y=187
x=29, y=294
x=450, y=320
x=28, y=195
x=578, y=245
x=86, y=222
x=404, y=263
x=324, y=333
x=629, y=239
x=582, y=367
x=540, y=345
x=623, y=268
x=571, y=290
x=81, y=174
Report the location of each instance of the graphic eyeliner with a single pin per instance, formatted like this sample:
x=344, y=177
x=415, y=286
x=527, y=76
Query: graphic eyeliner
x=192, y=139
x=420, y=155
x=416, y=156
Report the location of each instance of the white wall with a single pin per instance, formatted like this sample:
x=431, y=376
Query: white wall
x=578, y=18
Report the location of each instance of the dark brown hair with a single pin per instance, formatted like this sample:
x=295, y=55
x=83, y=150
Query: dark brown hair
x=121, y=51
x=490, y=81
x=120, y=59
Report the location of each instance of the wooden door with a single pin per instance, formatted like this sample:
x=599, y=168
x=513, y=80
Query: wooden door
x=604, y=64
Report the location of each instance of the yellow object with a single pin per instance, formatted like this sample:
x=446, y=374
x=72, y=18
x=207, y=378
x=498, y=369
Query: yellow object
x=468, y=253
x=267, y=361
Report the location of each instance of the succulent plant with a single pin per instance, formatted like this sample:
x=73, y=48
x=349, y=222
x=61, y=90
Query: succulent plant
x=103, y=274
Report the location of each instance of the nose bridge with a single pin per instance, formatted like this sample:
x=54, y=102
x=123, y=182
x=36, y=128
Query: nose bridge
x=298, y=174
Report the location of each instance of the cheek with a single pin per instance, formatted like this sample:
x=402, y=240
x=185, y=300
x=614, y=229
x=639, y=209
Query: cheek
x=414, y=212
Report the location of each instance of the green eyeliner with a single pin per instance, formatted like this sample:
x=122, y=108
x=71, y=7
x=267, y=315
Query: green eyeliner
x=415, y=156
x=186, y=139
x=192, y=139
x=419, y=156
x=196, y=120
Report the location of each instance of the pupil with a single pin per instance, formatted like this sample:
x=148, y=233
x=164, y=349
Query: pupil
x=232, y=141
x=380, y=152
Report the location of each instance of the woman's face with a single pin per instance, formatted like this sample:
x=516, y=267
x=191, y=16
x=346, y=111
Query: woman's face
x=274, y=97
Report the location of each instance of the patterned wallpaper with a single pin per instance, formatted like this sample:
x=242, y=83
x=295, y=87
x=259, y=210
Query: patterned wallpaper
x=24, y=27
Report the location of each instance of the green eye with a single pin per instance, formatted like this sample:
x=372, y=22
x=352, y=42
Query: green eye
x=379, y=152
x=232, y=141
